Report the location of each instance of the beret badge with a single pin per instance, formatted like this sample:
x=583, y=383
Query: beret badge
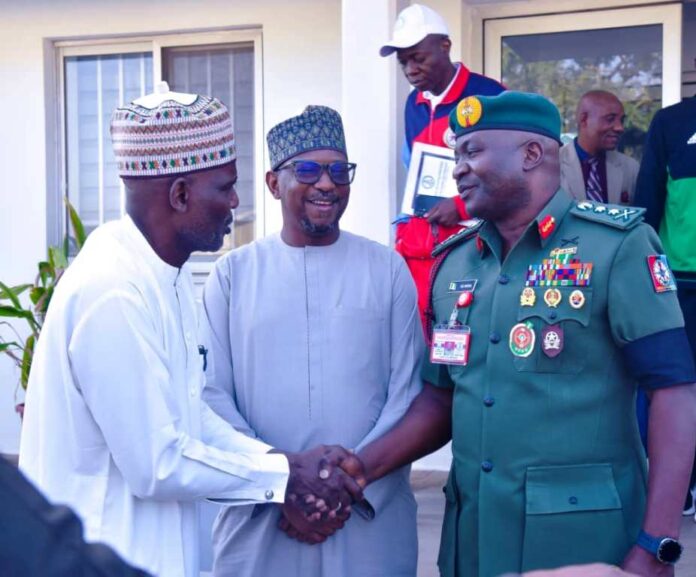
x=469, y=111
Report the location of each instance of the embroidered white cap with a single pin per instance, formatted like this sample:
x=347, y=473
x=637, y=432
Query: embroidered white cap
x=171, y=133
x=412, y=25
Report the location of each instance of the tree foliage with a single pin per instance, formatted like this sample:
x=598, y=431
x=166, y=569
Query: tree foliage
x=634, y=78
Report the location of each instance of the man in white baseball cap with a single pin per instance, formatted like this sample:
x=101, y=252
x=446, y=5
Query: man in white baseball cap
x=422, y=45
x=413, y=25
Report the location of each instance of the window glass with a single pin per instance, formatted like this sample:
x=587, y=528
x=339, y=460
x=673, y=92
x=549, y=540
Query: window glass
x=226, y=72
x=94, y=86
x=564, y=65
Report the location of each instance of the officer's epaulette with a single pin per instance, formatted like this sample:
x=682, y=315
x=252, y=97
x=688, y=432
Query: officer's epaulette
x=457, y=238
x=616, y=215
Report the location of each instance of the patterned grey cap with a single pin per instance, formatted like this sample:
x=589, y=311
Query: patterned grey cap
x=318, y=127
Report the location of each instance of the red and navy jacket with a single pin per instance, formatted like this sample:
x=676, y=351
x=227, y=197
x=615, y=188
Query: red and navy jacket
x=429, y=126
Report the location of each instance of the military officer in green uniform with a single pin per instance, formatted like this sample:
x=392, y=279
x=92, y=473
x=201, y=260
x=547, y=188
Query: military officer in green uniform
x=545, y=319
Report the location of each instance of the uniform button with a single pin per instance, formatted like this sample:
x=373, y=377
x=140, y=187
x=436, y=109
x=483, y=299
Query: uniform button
x=269, y=495
x=494, y=338
x=503, y=279
x=573, y=500
x=489, y=401
x=486, y=466
x=553, y=314
x=192, y=392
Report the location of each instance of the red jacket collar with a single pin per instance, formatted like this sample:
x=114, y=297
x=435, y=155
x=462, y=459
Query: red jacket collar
x=461, y=78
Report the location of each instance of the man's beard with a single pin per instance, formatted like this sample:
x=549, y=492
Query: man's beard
x=318, y=230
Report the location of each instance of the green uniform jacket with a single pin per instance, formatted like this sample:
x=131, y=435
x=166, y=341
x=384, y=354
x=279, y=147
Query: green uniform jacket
x=548, y=467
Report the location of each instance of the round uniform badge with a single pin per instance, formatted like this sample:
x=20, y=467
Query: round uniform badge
x=552, y=297
x=449, y=138
x=522, y=338
x=528, y=297
x=465, y=299
x=577, y=299
x=469, y=111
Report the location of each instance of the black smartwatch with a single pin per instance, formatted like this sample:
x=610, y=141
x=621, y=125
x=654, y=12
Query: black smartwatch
x=665, y=549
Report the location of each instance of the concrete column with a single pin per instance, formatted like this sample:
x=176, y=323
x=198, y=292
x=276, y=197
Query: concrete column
x=370, y=113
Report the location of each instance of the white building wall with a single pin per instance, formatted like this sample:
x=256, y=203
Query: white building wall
x=301, y=65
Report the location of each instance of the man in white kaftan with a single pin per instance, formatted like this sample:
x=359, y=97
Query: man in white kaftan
x=115, y=426
x=114, y=423
x=315, y=344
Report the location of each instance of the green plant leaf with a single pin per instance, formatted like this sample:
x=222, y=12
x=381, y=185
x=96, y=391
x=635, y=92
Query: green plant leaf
x=10, y=295
x=45, y=270
x=27, y=357
x=16, y=313
x=9, y=345
x=15, y=290
x=57, y=258
x=77, y=225
x=36, y=293
x=45, y=299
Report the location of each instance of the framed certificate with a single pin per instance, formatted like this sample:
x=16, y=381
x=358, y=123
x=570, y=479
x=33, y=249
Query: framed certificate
x=429, y=178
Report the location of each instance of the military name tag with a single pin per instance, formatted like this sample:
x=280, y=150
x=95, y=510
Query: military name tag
x=450, y=346
x=552, y=340
x=661, y=274
x=463, y=285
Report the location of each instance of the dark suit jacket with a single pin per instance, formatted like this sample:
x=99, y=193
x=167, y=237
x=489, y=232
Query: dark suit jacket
x=38, y=539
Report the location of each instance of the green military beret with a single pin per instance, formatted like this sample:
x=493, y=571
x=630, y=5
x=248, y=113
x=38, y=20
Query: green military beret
x=509, y=110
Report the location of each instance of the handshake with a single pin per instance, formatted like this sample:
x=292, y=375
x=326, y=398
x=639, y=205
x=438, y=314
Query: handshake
x=323, y=485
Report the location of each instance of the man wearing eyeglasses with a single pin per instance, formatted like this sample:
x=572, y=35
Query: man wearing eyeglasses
x=314, y=336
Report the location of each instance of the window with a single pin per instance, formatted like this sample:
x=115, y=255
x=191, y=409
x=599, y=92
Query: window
x=96, y=78
x=632, y=52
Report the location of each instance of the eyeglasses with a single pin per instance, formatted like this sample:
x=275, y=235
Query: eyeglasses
x=309, y=172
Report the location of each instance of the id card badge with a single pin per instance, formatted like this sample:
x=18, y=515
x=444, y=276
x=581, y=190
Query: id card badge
x=450, y=345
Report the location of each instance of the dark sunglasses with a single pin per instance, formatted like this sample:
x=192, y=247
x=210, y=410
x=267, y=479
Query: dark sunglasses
x=309, y=172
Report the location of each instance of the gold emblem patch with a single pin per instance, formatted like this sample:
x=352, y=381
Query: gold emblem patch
x=469, y=111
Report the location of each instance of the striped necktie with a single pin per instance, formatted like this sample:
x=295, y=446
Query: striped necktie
x=594, y=186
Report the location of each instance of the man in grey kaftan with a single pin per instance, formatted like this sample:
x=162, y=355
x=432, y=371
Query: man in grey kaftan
x=314, y=344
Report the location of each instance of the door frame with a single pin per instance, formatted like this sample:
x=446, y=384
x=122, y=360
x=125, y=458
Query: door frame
x=668, y=15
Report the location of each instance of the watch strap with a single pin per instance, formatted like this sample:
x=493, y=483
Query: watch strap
x=648, y=542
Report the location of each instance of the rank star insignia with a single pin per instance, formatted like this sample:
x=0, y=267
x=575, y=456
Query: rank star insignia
x=528, y=297
x=600, y=208
x=585, y=206
x=522, y=339
x=624, y=214
x=469, y=111
x=552, y=340
x=552, y=297
x=577, y=299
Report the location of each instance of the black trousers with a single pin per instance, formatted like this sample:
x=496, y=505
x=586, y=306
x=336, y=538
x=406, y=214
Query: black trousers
x=686, y=293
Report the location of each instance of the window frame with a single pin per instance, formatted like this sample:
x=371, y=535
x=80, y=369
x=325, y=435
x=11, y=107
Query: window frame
x=156, y=44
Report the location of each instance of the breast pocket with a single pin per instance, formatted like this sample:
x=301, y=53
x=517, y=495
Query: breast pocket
x=573, y=516
x=561, y=333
